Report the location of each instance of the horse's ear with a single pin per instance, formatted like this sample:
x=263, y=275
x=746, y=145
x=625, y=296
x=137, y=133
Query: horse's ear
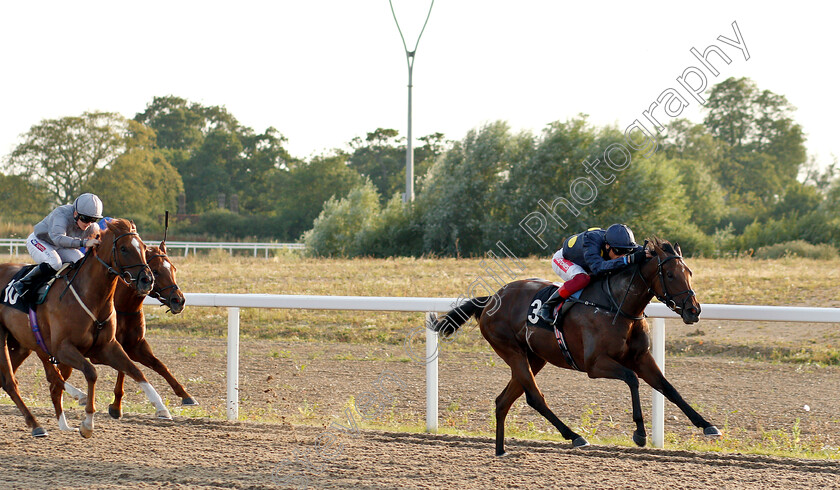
x=677, y=248
x=163, y=248
x=133, y=226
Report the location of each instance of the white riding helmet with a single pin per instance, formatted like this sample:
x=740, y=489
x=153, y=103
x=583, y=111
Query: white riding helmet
x=88, y=205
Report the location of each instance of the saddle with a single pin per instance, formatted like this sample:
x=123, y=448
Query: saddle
x=35, y=296
x=543, y=295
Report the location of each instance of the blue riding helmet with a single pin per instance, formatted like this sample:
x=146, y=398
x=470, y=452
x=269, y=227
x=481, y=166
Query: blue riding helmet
x=621, y=237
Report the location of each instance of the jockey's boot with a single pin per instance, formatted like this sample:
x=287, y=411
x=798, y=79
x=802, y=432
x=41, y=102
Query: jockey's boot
x=550, y=311
x=35, y=276
x=547, y=310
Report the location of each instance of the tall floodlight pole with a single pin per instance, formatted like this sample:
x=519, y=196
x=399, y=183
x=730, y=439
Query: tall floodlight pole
x=409, y=57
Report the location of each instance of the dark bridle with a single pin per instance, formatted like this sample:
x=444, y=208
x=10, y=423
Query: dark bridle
x=667, y=298
x=157, y=293
x=121, y=269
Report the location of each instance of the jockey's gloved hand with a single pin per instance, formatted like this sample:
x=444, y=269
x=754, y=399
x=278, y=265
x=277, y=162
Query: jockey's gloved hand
x=635, y=257
x=91, y=242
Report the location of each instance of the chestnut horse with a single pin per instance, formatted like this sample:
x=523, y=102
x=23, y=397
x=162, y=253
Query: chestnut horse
x=80, y=325
x=604, y=341
x=131, y=332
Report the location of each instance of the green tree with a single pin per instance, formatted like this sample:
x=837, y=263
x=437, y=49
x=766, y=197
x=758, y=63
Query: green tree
x=140, y=184
x=22, y=200
x=63, y=154
x=459, y=199
x=381, y=158
x=343, y=225
x=215, y=154
x=300, y=192
x=764, y=146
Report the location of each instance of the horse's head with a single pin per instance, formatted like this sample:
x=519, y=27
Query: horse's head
x=166, y=290
x=672, y=281
x=124, y=254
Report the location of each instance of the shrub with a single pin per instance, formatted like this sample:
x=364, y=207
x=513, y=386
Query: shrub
x=797, y=248
x=343, y=227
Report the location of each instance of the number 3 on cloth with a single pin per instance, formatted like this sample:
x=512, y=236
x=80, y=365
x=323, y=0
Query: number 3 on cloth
x=533, y=317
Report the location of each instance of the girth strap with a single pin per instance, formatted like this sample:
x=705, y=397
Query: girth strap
x=39, y=339
x=564, y=348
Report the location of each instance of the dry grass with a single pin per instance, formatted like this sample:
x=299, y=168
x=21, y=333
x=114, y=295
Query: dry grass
x=786, y=281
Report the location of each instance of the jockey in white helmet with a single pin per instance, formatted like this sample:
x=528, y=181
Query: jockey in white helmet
x=59, y=236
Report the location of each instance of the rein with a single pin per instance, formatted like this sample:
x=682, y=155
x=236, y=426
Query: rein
x=614, y=307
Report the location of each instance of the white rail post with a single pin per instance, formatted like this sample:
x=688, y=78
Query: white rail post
x=658, y=406
x=233, y=364
x=432, y=355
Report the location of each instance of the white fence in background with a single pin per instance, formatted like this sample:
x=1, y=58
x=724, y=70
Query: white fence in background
x=657, y=312
x=16, y=244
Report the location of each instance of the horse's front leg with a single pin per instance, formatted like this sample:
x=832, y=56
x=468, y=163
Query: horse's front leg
x=607, y=367
x=650, y=372
x=142, y=352
x=68, y=354
x=113, y=355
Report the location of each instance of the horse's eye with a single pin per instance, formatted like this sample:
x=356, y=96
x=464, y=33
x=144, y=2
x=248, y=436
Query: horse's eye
x=156, y=272
x=670, y=275
x=122, y=248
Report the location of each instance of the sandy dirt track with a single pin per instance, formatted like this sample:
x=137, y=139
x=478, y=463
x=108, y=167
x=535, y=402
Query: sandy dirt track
x=139, y=453
x=312, y=384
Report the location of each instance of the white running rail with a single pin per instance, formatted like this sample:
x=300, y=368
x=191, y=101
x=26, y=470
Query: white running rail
x=16, y=244
x=656, y=311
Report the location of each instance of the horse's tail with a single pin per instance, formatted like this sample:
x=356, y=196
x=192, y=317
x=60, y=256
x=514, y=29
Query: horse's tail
x=456, y=317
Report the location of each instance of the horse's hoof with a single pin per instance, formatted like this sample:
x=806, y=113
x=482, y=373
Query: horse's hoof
x=189, y=402
x=639, y=439
x=85, y=431
x=39, y=432
x=580, y=442
x=503, y=455
x=115, y=413
x=712, y=431
x=163, y=414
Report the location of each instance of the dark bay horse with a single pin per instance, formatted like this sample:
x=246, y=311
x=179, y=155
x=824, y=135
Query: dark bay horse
x=604, y=341
x=80, y=325
x=131, y=332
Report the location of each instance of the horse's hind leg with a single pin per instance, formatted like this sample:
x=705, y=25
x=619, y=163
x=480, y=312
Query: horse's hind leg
x=523, y=379
x=113, y=355
x=505, y=400
x=56, y=380
x=79, y=395
x=650, y=372
x=607, y=367
x=10, y=385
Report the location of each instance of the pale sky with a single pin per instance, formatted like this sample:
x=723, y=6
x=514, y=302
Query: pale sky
x=323, y=72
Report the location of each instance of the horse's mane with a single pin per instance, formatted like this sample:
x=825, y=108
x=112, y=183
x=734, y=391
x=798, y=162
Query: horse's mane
x=665, y=245
x=119, y=226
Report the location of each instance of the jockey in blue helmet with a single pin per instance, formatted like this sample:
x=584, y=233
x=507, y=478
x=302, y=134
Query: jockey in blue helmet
x=592, y=252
